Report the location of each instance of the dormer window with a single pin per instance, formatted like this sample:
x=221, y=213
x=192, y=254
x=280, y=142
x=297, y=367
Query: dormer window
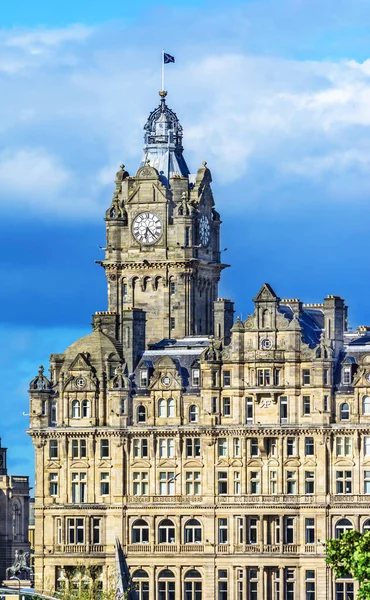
x=346, y=376
x=196, y=377
x=144, y=378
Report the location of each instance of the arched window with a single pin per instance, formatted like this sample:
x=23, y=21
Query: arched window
x=141, y=414
x=170, y=407
x=265, y=319
x=193, y=413
x=166, y=532
x=342, y=526
x=193, y=532
x=344, y=411
x=366, y=405
x=166, y=585
x=85, y=408
x=193, y=585
x=53, y=413
x=162, y=408
x=140, y=579
x=76, y=409
x=140, y=532
x=366, y=526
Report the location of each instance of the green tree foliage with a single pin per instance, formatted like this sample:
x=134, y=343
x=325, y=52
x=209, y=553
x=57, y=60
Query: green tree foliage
x=350, y=555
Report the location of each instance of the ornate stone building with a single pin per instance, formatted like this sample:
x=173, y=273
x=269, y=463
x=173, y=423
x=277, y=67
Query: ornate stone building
x=14, y=514
x=222, y=455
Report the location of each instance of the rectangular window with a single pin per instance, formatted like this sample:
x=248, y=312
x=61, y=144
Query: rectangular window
x=104, y=448
x=59, y=531
x=283, y=410
x=263, y=377
x=326, y=376
x=104, y=484
x=343, y=482
x=167, y=483
x=214, y=378
x=214, y=404
x=187, y=237
x=310, y=531
x=273, y=482
x=252, y=530
x=222, y=531
x=237, y=488
x=124, y=289
x=309, y=446
x=306, y=377
x=172, y=323
x=366, y=445
x=236, y=447
x=192, y=446
x=309, y=482
x=254, y=481
x=240, y=530
x=140, y=448
x=326, y=403
x=144, y=378
x=78, y=488
x=289, y=530
x=366, y=482
x=271, y=446
x=222, y=585
x=249, y=410
x=306, y=405
x=96, y=534
x=226, y=378
x=75, y=531
x=344, y=591
x=343, y=446
x=166, y=448
x=252, y=584
x=346, y=377
x=291, y=448
x=222, y=447
x=291, y=482
x=222, y=482
x=53, y=484
x=277, y=376
x=196, y=377
x=289, y=584
x=240, y=584
x=53, y=449
x=192, y=481
x=226, y=407
x=172, y=288
x=140, y=483
x=254, y=447
x=310, y=585
x=79, y=449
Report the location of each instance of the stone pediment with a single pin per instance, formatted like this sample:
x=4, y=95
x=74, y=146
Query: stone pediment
x=344, y=462
x=80, y=363
x=266, y=294
x=310, y=462
x=273, y=462
x=255, y=462
x=194, y=463
x=79, y=464
x=53, y=464
x=166, y=376
x=292, y=462
x=105, y=464
x=141, y=463
x=167, y=462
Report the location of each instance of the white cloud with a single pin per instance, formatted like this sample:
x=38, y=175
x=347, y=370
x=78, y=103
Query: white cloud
x=87, y=104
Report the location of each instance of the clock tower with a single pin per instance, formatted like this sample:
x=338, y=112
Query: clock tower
x=163, y=239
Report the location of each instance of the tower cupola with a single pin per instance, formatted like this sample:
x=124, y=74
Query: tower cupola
x=163, y=143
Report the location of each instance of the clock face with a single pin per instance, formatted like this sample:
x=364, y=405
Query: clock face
x=367, y=376
x=147, y=228
x=166, y=380
x=204, y=230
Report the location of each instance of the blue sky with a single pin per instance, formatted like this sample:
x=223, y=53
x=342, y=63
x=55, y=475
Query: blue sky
x=274, y=94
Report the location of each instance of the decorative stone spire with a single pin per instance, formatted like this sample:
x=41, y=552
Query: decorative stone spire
x=163, y=143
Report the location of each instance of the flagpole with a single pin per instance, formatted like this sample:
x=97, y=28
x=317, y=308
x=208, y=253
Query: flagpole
x=162, y=70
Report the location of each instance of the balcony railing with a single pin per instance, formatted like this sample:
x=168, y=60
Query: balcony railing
x=80, y=548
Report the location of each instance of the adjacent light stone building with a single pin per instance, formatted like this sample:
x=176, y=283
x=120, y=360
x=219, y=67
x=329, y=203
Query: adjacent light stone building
x=14, y=514
x=222, y=454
